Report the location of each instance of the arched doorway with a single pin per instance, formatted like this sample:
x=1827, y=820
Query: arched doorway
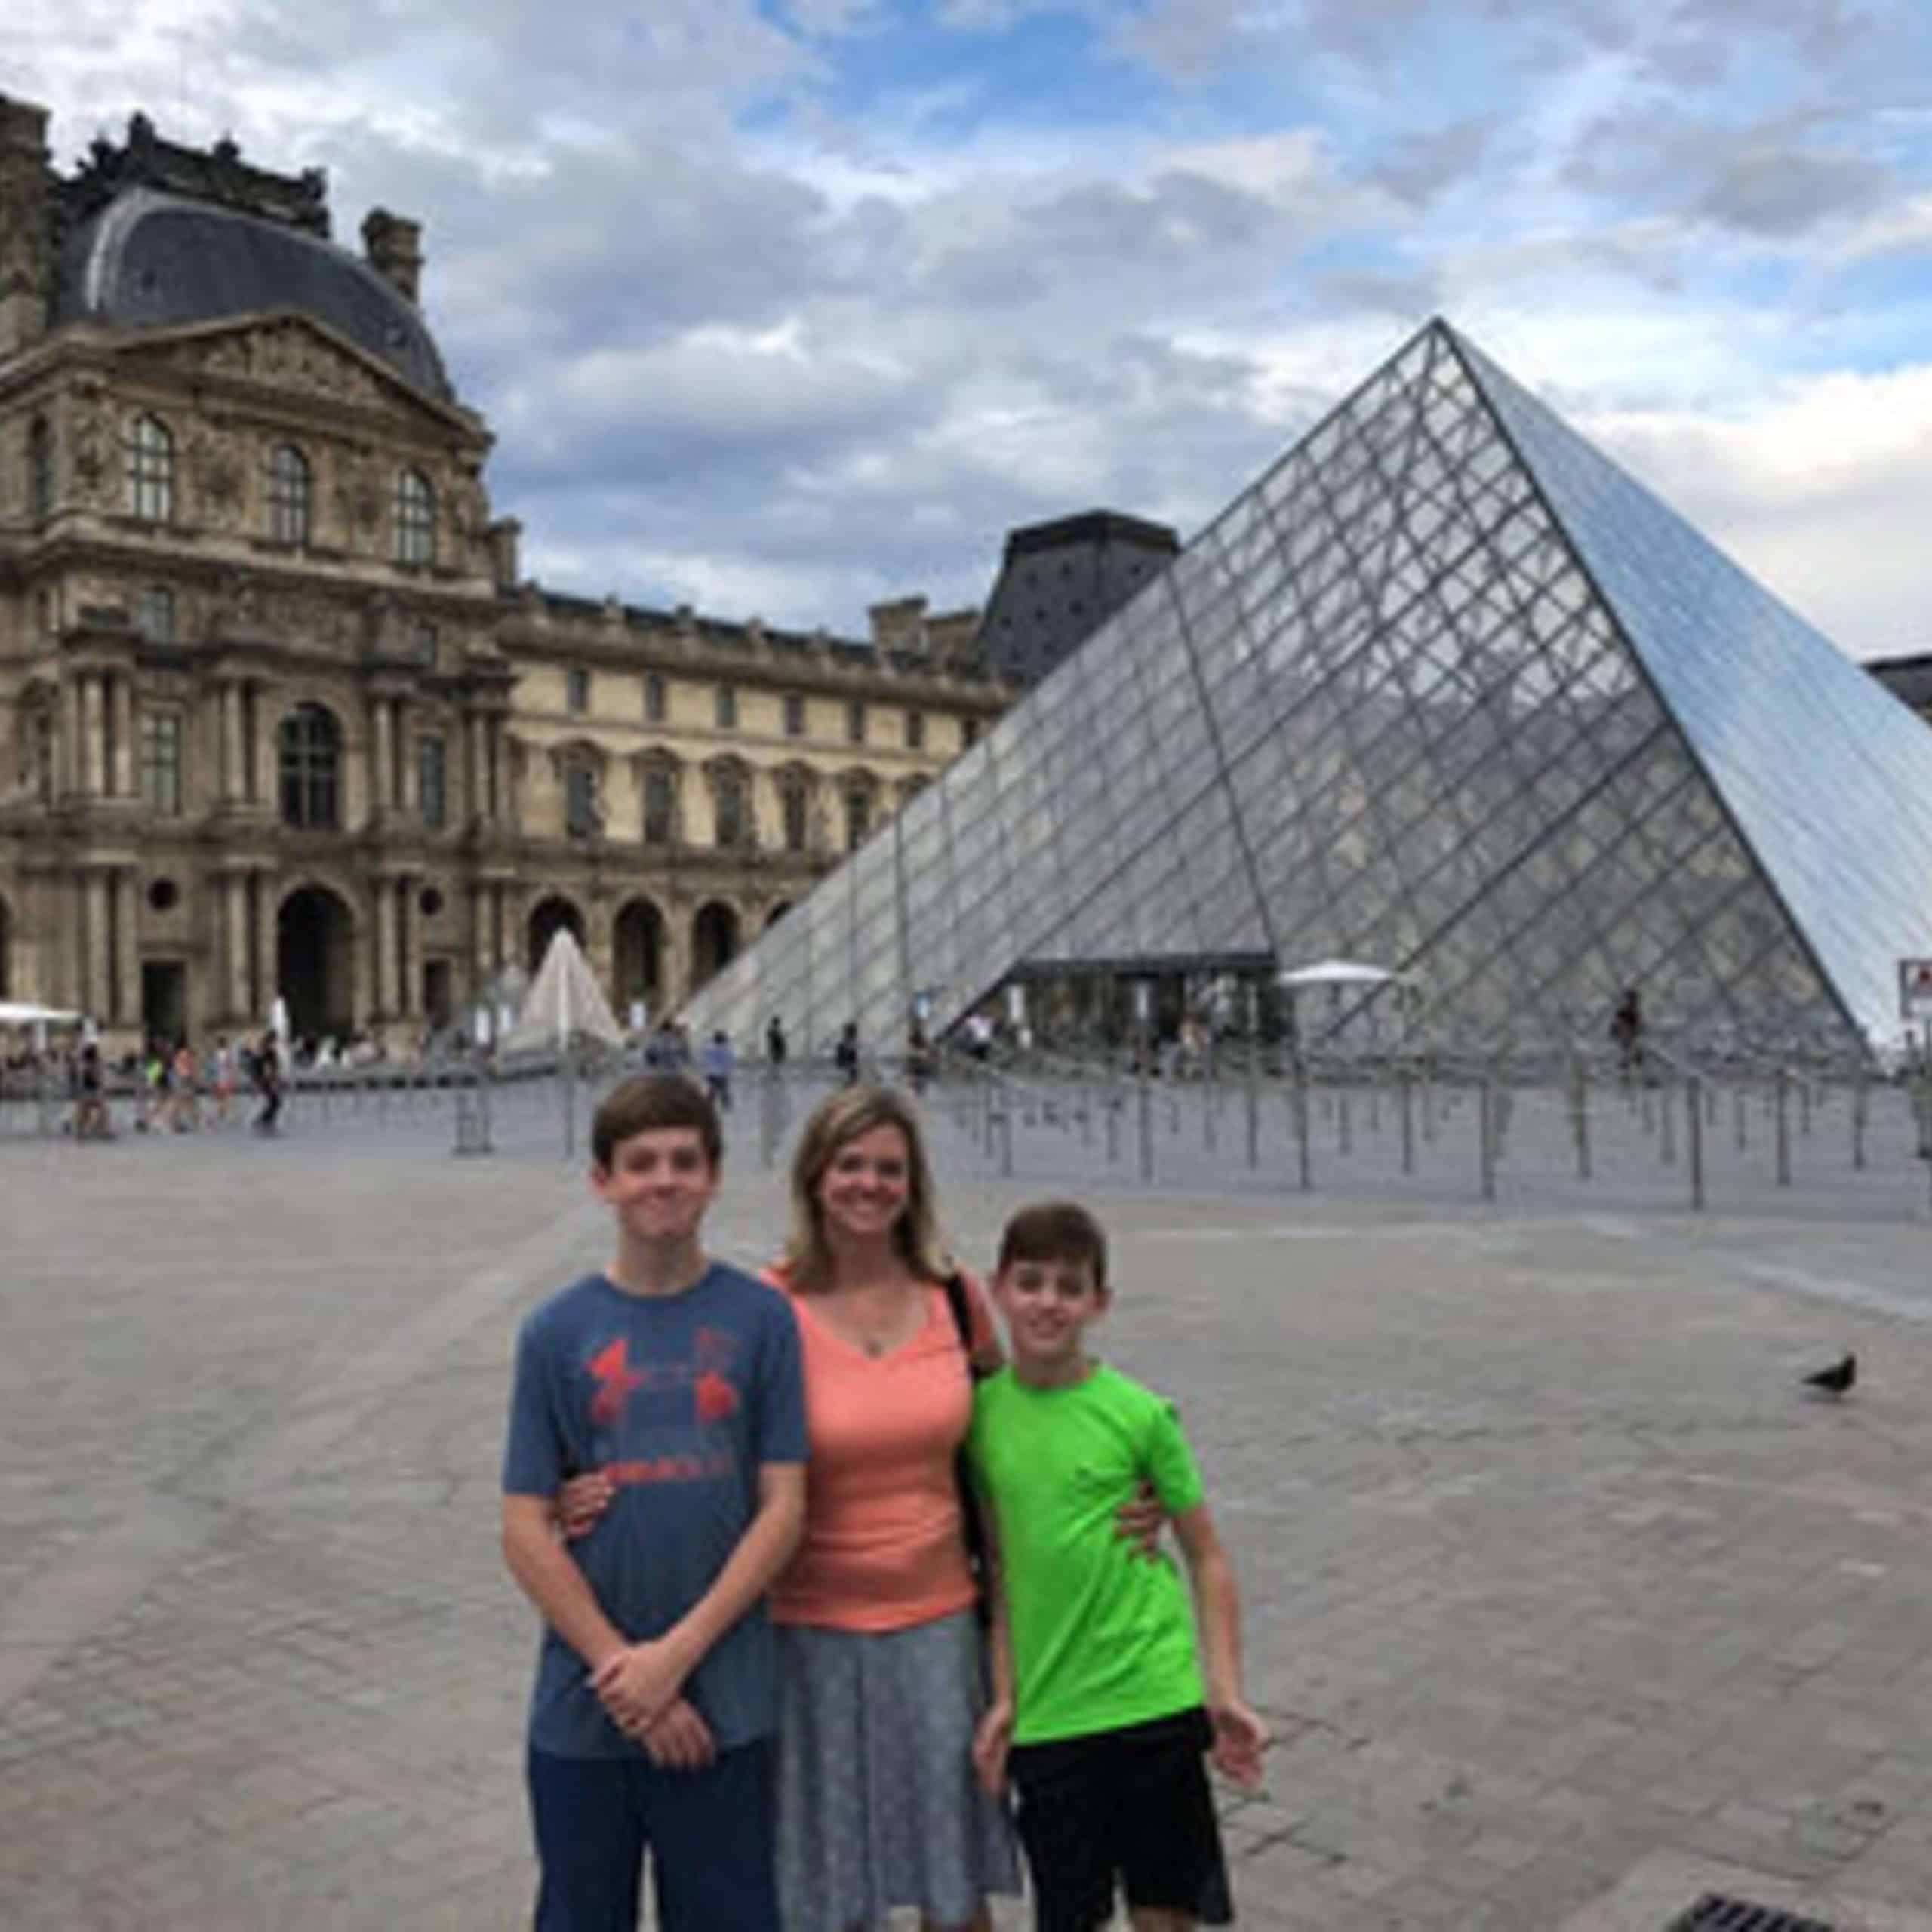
x=639, y=942
x=548, y=918
x=314, y=972
x=777, y=913
x=714, y=941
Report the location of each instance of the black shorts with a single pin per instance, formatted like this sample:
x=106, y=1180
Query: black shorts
x=1129, y=1808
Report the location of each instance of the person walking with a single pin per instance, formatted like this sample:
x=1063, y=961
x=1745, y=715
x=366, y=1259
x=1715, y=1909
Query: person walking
x=845, y=1053
x=720, y=1061
x=776, y=1045
x=268, y=1084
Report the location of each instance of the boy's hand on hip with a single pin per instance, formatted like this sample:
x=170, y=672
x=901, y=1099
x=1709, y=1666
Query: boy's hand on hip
x=1240, y=1738
x=991, y=1743
x=636, y=1684
x=1141, y=1521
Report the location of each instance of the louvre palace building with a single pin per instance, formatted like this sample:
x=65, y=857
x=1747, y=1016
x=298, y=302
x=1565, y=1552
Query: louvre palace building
x=278, y=712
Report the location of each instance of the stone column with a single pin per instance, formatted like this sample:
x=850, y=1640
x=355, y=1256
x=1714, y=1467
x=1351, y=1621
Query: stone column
x=266, y=984
x=66, y=740
x=408, y=796
x=233, y=771
x=384, y=941
x=496, y=802
x=480, y=917
x=411, y=925
x=237, y=1000
x=92, y=727
x=97, y=977
x=382, y=769
x=260, y=754
x=123, y=737
x=127, y=946
x=479, y=766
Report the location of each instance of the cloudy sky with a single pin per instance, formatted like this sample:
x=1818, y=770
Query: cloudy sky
x=781, y=306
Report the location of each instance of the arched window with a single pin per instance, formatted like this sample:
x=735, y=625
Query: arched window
x=584, y=814
x=795, y=802
x=288, y=495
x=40, y=470
x=150, y=454
x=311, y=747
x=415, y=518
x=730, y=815
x=858, y=812
x=660, y=805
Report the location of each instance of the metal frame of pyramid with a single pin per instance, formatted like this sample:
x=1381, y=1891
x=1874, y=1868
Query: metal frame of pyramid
x=1446, y=690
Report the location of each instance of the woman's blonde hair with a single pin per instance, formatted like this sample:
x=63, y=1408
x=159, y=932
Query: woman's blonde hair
x=836, y=1123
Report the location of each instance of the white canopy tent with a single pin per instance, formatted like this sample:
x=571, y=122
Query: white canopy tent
x=564, y=1004
x=27, y=1012
x=1343, y=977
x=1339, y=973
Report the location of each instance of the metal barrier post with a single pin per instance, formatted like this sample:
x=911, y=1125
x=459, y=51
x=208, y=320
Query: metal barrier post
x=1667, y=1122
x=568, y=1070
x=1006, y=1143
x=1694, y=1119
x=1737, y=1110
x=1485, y=1116
x=1579, y=1091
x=1344, y=1126
x=1300, y=1100
x=1251, y=1098
x=1408, y=1122
x=1146, y=1127
x=1805, y=1105
x=1784, y=1127
x=1860, y=1101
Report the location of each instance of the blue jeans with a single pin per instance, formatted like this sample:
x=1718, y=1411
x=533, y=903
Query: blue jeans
x=709, y=1833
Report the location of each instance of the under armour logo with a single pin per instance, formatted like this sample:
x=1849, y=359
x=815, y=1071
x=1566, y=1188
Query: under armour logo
x=616, y=1379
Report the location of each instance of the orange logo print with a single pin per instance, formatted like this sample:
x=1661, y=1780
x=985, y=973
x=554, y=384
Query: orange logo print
x=716, y=1398
x=616, y=1379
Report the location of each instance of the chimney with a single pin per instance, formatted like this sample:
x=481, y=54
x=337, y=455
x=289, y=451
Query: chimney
x=899, y=624
x=27, y=226
x=394, y=247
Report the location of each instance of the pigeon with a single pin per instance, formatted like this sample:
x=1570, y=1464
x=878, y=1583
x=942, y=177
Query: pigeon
x=1836, y=1379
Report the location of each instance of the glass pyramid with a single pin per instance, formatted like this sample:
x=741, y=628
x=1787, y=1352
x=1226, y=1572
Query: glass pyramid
x=1445, y=691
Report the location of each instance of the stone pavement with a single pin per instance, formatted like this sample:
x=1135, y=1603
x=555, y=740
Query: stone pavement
x=1566, y=1606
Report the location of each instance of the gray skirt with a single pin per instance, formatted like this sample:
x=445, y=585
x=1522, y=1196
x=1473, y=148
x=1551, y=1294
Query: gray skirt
x=878, y=1805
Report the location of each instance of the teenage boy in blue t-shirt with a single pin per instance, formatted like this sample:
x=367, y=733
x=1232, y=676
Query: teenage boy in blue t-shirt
x=677, y=1377
x=1102, y=1714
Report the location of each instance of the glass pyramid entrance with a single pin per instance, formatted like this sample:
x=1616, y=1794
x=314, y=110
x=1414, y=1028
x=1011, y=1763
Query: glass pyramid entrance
x=1446, y=691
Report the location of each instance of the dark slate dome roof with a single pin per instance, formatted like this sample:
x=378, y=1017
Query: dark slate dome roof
x=154, y=260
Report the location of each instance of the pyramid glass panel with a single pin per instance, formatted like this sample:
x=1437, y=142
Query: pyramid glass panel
x=1444, y=689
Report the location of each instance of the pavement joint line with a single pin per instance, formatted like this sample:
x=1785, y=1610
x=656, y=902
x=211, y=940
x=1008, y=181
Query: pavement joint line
x=56, y=1612
x=364, y=1385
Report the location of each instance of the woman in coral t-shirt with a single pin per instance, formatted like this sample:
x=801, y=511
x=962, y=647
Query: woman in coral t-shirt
x=880, y=1677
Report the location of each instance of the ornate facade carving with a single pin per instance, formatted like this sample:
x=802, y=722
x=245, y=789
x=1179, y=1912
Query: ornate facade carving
x=327, y=743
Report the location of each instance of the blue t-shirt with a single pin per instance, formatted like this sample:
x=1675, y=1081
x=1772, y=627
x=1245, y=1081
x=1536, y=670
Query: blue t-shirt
x=678, y=1398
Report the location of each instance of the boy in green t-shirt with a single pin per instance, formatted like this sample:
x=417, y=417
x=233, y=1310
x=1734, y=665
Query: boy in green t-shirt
x=1099, y=1712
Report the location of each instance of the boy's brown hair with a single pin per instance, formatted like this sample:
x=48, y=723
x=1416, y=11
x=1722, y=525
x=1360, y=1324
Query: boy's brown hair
x=648, y=1101
x=1055, y=1231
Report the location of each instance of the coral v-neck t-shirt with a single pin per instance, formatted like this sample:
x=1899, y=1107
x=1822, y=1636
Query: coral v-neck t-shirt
x=884, y=1549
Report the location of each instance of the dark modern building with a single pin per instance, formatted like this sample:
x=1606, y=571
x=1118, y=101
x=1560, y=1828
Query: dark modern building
x=1059, y=582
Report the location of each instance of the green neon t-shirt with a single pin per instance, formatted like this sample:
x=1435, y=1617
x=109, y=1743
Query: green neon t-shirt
x=1102, y=1636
